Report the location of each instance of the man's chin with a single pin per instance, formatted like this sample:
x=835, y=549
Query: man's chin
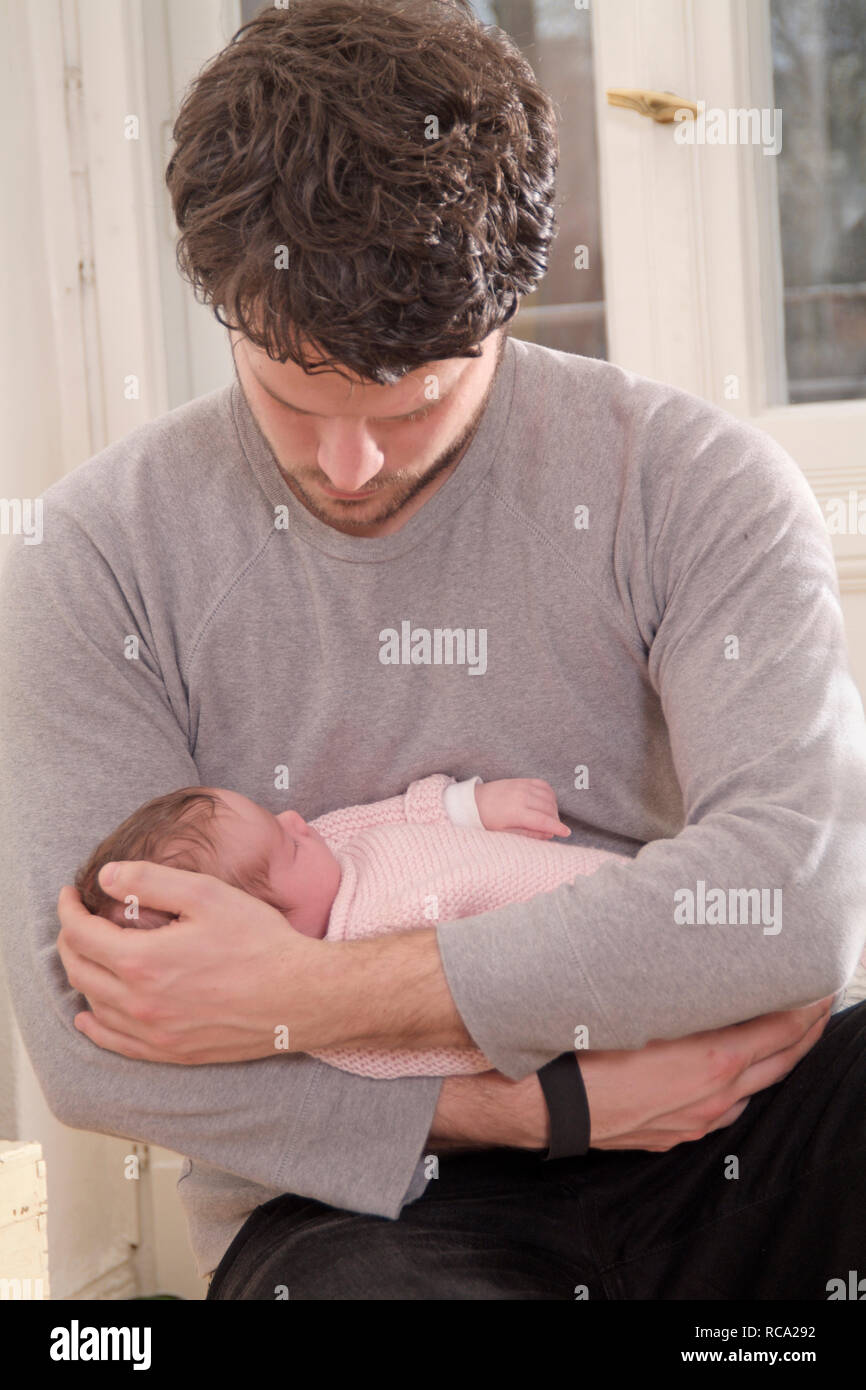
x=381, y=505
x=377, y=507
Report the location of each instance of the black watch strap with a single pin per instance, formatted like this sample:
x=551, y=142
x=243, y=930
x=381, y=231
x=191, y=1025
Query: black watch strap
x=567, y=1106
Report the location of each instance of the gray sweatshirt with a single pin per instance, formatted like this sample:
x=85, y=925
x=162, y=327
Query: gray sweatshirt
x=620, y=589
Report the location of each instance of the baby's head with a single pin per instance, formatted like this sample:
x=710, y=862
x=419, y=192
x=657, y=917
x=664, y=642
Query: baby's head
x=279, y=859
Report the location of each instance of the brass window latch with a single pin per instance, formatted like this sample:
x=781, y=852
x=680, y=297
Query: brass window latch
x=660, y=106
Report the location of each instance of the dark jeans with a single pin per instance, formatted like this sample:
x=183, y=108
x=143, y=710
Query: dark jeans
x=503, y=1224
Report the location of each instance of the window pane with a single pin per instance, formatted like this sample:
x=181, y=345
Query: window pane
x=567, y=310
x=819, y=67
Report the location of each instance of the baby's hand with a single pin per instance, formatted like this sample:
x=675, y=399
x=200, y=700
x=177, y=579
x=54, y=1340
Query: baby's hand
x=524, y=805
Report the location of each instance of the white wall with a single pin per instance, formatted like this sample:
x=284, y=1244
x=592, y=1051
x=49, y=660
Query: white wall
x=93, y=1214
x=85, y=237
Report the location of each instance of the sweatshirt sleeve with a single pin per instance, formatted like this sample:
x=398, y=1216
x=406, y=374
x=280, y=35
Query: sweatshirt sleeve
x=87, y=734
x=438, y=797
x=729, y=583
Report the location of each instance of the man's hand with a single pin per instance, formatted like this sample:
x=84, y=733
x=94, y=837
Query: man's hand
x=523, y=805
x=218, y=985
x=670, y=1093
x=653, y=1098
x=231, y=980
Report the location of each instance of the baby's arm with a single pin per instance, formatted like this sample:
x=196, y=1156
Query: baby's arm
x=523, y=805
x=425, y=801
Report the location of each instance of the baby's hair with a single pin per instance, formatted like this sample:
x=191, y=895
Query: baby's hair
x=174, y=829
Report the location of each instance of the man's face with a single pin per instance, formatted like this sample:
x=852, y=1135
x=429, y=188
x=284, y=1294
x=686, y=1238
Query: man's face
x=331, y=436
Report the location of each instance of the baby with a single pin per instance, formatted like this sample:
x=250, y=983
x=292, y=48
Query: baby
x=442, y=850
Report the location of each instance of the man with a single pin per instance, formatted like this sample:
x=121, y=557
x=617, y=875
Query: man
x=630, y=595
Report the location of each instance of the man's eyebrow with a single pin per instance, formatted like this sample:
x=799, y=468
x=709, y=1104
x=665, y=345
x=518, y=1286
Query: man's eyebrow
x=417, y=411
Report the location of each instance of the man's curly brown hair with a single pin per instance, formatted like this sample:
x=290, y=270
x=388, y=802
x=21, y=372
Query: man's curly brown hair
x=311, y=132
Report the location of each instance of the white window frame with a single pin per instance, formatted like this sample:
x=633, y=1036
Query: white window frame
x=693, y=267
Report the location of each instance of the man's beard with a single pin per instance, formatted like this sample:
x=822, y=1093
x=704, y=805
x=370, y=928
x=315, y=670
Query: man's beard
x=400, y=487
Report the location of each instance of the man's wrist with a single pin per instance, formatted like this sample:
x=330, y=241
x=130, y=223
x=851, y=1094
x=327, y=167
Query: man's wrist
x=387, y=992
x=490, y=1111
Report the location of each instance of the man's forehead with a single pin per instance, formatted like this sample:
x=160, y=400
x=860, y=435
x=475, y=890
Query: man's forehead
x=329, y=393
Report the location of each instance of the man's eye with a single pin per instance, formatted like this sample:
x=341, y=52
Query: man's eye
x=406, y=420
x=418, y=415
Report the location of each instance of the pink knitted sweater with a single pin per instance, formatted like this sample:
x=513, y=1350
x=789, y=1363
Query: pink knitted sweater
x=406, y=866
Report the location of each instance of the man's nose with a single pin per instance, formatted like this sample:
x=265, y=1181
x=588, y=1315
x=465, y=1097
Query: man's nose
x=349, y=456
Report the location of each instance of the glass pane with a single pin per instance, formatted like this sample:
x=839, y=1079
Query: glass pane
x=819, y=67
x=567, y=310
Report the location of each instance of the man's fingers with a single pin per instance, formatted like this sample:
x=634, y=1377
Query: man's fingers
x=98, y=985
x=730, y=1115
x=109, y=1038
x=769, y=1070
x=153, y=885
x=156, y=885
x=661, y=1140
x=761, y=1037
x=84, y=935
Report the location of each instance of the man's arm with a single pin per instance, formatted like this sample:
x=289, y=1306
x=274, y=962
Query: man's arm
x=747, y=655
x=661, y=1095
x=85, y=736
x=768, y=739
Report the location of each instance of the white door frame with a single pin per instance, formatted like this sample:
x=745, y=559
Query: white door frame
x=693, y=267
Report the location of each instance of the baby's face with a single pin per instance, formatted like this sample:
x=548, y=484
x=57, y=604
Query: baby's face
x=302, y=872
